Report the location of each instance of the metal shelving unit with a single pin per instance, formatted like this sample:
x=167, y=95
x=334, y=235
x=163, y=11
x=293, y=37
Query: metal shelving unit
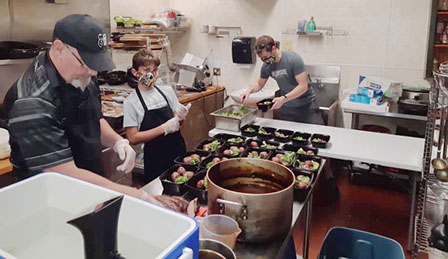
x=422, y=228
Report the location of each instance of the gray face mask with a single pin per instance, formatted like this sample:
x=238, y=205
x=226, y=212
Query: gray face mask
x=269, y=60
x=147, y=80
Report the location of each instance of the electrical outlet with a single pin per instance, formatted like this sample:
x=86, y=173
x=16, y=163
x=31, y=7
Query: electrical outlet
x=216, y=71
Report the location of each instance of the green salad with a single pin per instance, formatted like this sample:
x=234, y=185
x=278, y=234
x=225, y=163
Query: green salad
x=213, y=146
x=288, y=157
x=262, y=131
x=250, y=130
x=299, y=138
x=235, y=140
x=319, y=140
x=309, y=165
x=280, y=135
x=301, y=151
x=209, y=164
x=268, y=146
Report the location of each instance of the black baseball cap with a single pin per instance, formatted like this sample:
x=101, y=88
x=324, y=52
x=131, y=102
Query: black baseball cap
x=87, y=35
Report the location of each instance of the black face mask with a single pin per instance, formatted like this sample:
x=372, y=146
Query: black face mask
x=269, y=60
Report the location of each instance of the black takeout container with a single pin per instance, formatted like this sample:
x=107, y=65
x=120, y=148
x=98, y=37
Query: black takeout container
x=250, y=149
x=270, y=132
x=201, y=194
x=265, y=107
x=206, y=141
x=169, y=186
x=295, y=148
x=303, y=158
x=286, y=132
x=249, y=134
x=274, y=153
x=321, y=136
x=300, y=194
x=227, y=146
x=304, y=135
x=226, y=137
x=179, y=159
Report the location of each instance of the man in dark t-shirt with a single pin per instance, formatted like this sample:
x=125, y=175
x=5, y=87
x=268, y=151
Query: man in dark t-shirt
x=295, y=100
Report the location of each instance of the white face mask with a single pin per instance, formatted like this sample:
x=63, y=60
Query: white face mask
x=147, y=80
x=81, y=82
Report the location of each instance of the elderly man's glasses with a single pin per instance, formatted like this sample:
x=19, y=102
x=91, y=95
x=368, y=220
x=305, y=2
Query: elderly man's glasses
x=79, y=60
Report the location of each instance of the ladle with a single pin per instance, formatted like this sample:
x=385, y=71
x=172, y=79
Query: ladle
x=439, y=163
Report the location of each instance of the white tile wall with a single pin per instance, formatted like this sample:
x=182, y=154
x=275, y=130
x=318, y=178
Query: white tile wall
x=386, y=37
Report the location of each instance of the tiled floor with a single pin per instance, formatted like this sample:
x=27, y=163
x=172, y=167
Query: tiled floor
x=376, y=210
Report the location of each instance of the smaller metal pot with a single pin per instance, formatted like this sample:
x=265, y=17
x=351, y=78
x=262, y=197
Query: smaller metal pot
x=212, y=249
x=416, y=95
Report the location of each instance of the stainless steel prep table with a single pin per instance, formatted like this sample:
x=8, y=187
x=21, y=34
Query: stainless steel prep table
x=363, y=146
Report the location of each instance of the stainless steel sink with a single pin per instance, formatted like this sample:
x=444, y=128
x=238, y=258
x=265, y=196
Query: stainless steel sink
x=325, y=80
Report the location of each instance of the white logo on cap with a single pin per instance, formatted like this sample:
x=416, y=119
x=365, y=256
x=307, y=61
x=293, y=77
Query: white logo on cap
x=102, y=40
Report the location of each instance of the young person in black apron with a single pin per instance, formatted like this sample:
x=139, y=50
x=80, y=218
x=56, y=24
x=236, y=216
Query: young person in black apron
x=152, y=116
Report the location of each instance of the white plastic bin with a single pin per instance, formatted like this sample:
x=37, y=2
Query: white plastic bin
x=35, y=211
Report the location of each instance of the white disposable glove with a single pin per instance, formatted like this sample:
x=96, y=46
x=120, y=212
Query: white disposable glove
x=126, y=153
x=182, y=111
x=172, y=125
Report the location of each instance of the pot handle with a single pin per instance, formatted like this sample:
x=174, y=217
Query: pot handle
x=222, y=207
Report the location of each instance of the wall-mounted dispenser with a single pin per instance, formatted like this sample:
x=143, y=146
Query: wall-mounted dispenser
x=243, y=51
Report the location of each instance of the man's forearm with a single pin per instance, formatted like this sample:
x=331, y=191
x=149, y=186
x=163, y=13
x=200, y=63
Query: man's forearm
x=255, y=87
x=298, y=91
x=108, y=135
x=70, y=169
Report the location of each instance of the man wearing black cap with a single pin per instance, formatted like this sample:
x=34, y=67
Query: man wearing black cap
x=54, y=111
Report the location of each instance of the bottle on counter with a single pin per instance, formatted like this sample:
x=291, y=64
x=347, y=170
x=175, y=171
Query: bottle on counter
x=445, y=35
x=311, y=25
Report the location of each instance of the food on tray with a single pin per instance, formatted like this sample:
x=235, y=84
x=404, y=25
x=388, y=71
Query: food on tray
x=181, y=175
x=111, y=109
x=268, y=146
x=262, y=131
x=215, y=161
x=309, y=165
x=284, y=159
x=233, y=151
x=250, y=130
x=280, y=135
x=319, y=140
x=302, y=182
x=235, y=140
x=213, y=146
x=299, y=138
x=193, y=159
x=202, y=184
x=301, y=151
x=237, y=113
x=256, y=154
x=254, y=144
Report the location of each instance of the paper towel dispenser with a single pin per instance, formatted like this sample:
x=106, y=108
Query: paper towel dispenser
x=243, y=51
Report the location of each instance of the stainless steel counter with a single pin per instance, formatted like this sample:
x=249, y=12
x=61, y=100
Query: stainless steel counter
x=393, y=113
x=273, y=249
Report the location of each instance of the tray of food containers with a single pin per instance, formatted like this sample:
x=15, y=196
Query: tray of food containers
x=234, y=117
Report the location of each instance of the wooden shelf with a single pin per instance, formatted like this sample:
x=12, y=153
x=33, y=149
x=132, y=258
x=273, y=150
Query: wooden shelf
x=154, y=30
x=441, y=46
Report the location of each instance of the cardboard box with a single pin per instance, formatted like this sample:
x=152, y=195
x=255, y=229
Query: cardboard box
x=390, y=88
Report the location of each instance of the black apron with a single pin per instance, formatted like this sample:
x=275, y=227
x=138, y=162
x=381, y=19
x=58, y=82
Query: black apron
x=81, y=121
x=159, y=153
